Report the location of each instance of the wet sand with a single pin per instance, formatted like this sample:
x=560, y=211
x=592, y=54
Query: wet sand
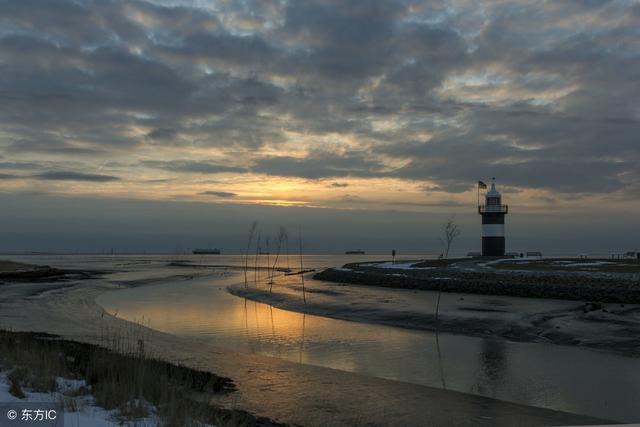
x=281, y=390
x=609, y=327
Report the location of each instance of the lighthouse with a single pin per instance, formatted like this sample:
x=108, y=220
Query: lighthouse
x=493, y=212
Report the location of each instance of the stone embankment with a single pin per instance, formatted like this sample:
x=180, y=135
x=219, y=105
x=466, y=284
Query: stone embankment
x=614, y=288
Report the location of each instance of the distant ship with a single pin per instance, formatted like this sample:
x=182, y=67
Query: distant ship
x=206, y=251
x=358, y=252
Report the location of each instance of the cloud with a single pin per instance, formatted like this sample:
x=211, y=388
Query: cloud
x=419, y=91
x=20, y=165
x=74, y=176
x=162, y=134
x=190, y=166
x=339, y=185
x=321, y=165
x=52, y=145
x=351, y=200
x=224, y=48
x=223, y=194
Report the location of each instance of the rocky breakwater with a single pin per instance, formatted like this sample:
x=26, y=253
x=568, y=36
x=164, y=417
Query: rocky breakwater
x=581, y=286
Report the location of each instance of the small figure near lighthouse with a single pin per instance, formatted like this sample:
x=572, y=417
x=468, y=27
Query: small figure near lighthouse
x=492, y=212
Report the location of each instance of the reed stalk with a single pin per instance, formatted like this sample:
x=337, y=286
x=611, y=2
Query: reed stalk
x=255, y=264
x=304, y=295
x=282, y=234
x=252, y=231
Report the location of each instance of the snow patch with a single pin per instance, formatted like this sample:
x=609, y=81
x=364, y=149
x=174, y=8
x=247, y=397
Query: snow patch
x=586, y=264
x=497, y=261
x=87, y=414
x=397, y=266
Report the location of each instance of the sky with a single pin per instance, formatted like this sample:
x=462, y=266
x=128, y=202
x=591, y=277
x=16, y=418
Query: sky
x=164, y=125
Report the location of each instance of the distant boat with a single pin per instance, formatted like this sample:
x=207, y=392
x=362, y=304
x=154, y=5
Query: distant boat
x=358, y=252
x=206, y=251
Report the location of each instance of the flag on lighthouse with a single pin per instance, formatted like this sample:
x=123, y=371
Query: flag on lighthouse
x=482, y=185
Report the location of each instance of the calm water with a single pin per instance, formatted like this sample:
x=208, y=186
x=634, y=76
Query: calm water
x=564, y=378
x=144, y=261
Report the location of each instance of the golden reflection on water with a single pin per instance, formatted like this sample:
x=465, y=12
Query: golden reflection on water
x=207, y=311
x=202, y=313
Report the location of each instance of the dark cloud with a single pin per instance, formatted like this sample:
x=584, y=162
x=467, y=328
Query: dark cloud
x=52, y=146
x=162, y=134
x=20, y=165
x=68, y=22
x=224, y=48
x=525, y=149
x=352, y=199
x=223, y=194
x=344, y=41
x=74, y=176
x=191, y=166
x=339, y=185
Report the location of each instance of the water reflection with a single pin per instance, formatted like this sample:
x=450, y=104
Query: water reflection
x=440, y=364
x=304, y=319
x=493, y=367
x=564, y=378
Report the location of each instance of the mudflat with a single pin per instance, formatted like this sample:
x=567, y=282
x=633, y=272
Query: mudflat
x=284, y=391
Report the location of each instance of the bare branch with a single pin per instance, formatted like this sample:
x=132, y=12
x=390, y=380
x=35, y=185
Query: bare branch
x=450, y=231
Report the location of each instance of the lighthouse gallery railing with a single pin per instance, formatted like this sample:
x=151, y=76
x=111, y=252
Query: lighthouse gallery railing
x=493, y=209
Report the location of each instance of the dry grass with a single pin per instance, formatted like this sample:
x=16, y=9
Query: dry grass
x=15, y=379
x=127, y=379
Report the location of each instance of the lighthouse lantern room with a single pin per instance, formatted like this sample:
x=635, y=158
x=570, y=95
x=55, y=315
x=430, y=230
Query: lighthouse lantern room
x=493, y=212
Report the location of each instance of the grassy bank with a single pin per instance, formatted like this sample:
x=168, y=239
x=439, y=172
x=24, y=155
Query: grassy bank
x=127, y=381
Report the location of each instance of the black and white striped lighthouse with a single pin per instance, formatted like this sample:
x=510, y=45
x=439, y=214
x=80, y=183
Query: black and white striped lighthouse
x=493, y=212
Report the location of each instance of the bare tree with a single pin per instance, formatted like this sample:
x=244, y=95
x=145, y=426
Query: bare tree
x=450, y=231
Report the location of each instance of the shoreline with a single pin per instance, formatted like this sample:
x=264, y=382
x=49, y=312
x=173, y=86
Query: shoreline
x=612, y=328
x=269, y=387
